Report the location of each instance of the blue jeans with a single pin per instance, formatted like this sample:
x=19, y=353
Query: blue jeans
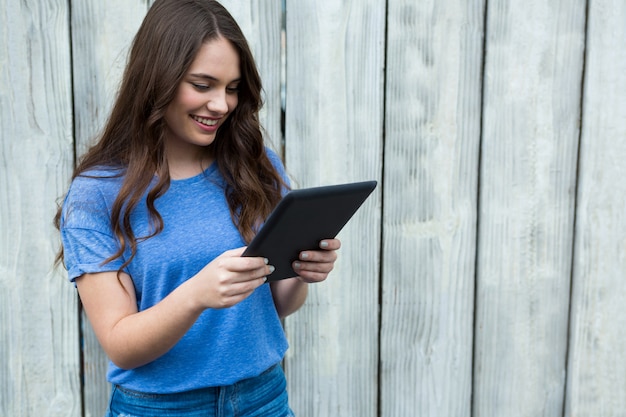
x=264, y=395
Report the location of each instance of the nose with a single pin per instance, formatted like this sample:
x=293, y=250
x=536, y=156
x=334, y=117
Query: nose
x=217, y=102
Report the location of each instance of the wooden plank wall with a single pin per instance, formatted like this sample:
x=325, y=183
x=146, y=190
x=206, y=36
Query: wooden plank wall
x=101, y=36
x=596, y=377
x=335, y=58
x=531, y=113
x=432, y=130
x=39, y=348
x=485, y=275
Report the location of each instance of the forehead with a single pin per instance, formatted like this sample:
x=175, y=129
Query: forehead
x=218, y=59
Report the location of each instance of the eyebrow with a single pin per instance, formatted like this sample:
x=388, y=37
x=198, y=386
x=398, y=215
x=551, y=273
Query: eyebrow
x=211, y=78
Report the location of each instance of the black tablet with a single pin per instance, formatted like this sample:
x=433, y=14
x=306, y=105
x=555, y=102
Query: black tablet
x=302, y=219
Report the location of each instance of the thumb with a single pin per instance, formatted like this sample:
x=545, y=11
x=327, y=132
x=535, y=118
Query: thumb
x=234, y=252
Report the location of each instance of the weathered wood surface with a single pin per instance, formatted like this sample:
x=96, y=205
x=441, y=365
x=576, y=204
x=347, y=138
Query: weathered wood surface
x=335, y=60
x=102, y=33
x=596, y=382
x=39, y=345
x=261, y=23
x=532, y=93
x=478, y=173
x=432, y=131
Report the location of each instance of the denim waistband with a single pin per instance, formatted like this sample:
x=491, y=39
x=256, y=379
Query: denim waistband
x=266, y=392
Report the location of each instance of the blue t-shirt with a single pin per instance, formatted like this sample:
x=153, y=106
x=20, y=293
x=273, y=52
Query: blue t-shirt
x=224, y=345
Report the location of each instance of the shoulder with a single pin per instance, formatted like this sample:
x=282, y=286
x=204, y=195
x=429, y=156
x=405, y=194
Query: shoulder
x=272, y=155
x=90, y=196
x=97, y=180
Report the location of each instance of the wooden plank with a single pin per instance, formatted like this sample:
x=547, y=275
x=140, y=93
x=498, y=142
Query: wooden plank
x=39, y=351
x=532, y=93
x=432, y=130
x=261, y=23
x=597, y=358
x=102, y=33
x=334, y=120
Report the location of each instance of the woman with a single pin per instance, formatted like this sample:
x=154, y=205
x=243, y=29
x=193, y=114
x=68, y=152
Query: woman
x=156, y=218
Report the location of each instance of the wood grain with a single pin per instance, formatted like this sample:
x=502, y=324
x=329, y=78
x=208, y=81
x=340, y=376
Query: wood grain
x=39, y=351
x=597, y=356
x=432, y=130
x=532, y=93
x=102, y=33
x=261, y=23
x=334, y=121
x=451, y=296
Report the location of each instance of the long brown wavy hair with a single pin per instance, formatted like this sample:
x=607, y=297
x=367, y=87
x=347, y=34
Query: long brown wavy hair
x=163, y=49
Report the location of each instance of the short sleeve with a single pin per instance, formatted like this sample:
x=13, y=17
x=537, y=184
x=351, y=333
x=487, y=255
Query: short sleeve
x=86, y=232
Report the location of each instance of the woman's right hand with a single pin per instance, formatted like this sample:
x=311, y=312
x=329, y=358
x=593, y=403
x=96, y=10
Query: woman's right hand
x=229, y=279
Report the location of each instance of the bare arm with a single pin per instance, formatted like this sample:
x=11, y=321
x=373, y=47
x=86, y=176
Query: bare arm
x=313, y=266
x=133, y=338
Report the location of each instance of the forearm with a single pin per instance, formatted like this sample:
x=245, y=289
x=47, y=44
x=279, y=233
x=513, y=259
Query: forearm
x=311, y=266
x=289, y=295
x=144, y=336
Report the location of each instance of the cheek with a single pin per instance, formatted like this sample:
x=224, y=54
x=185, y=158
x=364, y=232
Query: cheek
x=232, y=103
x=188, y=99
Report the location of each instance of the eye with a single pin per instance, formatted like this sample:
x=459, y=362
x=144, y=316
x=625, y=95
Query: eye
x=201, y=87
x=232, y=89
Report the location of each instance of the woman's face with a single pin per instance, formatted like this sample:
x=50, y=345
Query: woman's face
x=204, y=99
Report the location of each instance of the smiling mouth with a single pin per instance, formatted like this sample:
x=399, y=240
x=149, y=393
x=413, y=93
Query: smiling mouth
x=204, y=121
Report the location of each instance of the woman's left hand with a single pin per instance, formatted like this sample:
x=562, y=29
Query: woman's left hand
x=315, y=265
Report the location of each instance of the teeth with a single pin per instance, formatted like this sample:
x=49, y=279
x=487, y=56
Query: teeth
x=204, y=121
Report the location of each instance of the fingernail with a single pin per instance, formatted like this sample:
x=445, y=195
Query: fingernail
x=267, y=261
x=272, y=269
x=297, y=265
x=304, y=255
x=323, y=244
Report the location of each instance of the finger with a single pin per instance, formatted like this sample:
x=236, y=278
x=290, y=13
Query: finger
x=314, y=267
x=318, y=256
x=316, y=261
x=253, y=274
x=242, y=264
x=245, y=288
x=239, y=292
x=330, y=244
x=312, y=277
x=235, y=252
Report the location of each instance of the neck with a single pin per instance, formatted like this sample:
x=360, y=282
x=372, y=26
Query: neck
x=187, y=165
